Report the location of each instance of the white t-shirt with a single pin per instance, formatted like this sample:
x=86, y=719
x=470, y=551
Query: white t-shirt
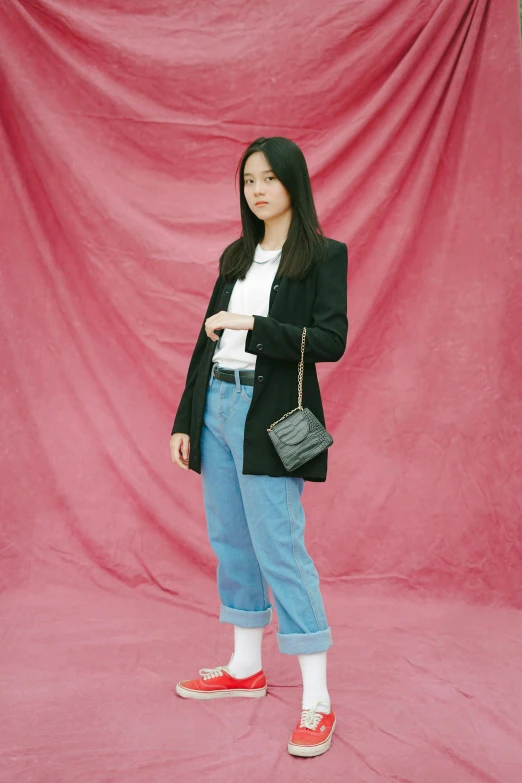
x=249, y=297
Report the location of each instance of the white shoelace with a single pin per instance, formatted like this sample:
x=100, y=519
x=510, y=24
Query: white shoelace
x=310, y=718
x=217, y=672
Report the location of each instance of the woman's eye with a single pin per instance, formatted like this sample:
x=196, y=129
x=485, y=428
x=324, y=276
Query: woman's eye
x=247, y=181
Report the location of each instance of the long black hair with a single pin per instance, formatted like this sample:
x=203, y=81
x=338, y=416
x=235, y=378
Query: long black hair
x=305, y=240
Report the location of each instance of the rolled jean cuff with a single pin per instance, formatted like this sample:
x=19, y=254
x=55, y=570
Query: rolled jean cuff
x=304, y=643
x=244, y=618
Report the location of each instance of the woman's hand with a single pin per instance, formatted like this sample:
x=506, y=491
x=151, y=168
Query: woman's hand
x=180, y=449
x=226, y=320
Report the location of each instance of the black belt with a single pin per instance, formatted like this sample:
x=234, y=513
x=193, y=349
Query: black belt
x=246, y=377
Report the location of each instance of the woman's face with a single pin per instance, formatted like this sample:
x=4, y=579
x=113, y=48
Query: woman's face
x=261, y=185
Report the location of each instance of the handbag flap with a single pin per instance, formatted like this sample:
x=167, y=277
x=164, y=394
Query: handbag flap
x=293, y=429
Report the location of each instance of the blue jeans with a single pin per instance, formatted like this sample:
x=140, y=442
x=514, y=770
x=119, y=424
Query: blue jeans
x=256, y=529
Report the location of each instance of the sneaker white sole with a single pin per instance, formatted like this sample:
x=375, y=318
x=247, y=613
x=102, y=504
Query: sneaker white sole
x=314, y=750
x=186, y=693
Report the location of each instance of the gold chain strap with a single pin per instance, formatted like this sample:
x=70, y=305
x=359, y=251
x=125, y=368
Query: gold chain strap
x=300, y=372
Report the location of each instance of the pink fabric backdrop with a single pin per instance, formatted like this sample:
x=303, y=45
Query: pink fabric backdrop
x=122, y=124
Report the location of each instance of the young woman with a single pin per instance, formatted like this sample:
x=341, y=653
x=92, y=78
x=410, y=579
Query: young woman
x=280, y=275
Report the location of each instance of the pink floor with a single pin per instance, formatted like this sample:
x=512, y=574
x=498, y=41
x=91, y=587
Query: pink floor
x=425, y=691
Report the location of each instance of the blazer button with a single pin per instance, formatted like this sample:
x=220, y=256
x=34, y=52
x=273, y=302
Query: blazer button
x=259, y=346
x=276, y=287
x=260, y=378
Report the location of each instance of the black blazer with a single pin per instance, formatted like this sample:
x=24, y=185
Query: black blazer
x=319, y=302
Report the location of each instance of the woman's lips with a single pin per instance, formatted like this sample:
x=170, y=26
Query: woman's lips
x=261, y=203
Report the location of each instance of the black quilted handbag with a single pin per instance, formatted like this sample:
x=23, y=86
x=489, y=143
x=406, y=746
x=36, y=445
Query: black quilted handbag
x=299, y=435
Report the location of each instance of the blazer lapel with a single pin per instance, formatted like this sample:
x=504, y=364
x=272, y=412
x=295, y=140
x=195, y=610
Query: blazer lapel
x=278, y=285
x=225, y=295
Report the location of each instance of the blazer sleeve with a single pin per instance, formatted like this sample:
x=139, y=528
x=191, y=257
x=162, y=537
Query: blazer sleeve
x=183, y=415
x=326, y=337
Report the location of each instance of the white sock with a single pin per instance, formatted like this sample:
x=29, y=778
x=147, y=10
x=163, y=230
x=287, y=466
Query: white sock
x=313, y=669
x=246, y=658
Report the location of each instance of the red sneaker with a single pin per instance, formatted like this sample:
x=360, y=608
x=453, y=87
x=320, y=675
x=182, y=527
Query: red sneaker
x=313, y=734
x=219, y=682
